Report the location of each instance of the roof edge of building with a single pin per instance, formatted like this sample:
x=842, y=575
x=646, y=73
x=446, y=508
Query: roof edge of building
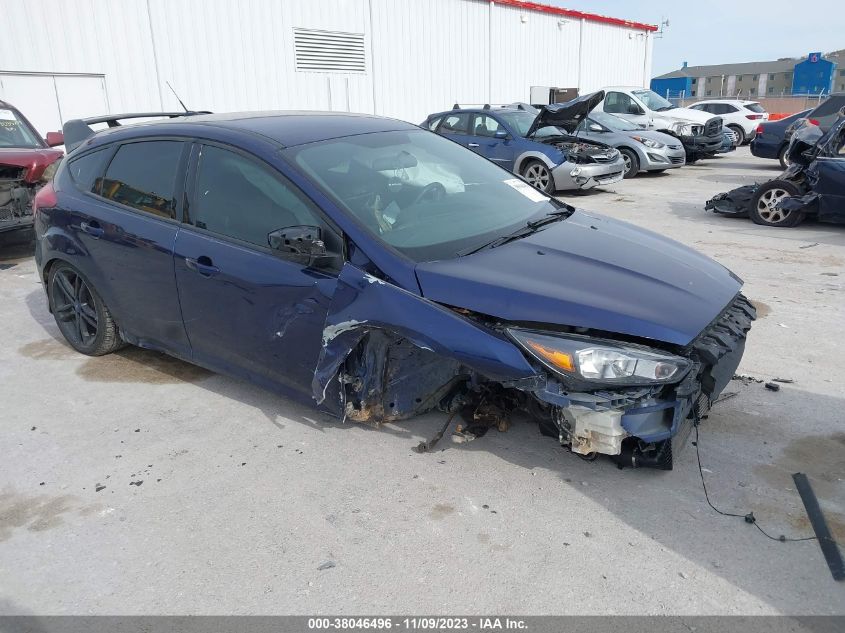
x=571, y=13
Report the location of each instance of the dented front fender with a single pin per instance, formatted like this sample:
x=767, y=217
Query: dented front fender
x=363, y=303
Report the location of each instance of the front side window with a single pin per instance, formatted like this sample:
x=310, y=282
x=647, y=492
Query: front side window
x=485, y=125
x=419, y=193
x=14, y=131
x=617, y=103
x=239, y=197
x=142, y=175
x=87, y=171
x=455, y=124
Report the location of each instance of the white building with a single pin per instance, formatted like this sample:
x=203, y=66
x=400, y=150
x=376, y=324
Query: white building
x=63, y=59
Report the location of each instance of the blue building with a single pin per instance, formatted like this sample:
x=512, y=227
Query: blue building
x=815, y=75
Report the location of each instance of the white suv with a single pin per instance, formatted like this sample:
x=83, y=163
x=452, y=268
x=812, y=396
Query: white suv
x=742, y=117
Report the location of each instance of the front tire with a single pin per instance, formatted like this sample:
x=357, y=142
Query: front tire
x=740, y=134
x=763, y=207
x=632, y=162
x=538, y=175
x=82, y=316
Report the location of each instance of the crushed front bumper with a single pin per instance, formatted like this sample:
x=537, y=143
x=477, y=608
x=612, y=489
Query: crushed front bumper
x=569, y=176
x=666, y=158
x=700, y=145
x=645, y=426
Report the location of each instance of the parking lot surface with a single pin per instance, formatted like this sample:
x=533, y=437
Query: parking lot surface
x=138, y=484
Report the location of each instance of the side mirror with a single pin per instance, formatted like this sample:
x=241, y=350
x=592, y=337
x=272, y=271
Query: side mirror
x=501, y=133
x=633, y=108
x=301, y=243
x=55, y=138
x=595, y=127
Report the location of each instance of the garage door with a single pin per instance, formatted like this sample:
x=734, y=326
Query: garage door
x=49, y=100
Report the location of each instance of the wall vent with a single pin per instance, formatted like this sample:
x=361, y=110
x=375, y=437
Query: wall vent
x=329, y=51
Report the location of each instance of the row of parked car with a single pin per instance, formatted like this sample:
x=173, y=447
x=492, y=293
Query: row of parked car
x=597, y=139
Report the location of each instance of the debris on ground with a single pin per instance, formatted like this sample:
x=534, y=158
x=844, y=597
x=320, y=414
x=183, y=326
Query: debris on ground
x=98, y=487
x=809, y=245
x=327, y=565
x=784, y=380
x=726, y=396
x=136, y=483
x=772, y=386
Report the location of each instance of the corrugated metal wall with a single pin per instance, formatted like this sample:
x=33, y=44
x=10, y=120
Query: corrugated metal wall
x=228, y=55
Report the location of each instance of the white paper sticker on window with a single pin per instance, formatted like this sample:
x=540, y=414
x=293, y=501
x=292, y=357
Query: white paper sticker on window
x=7, y=115
x=527, y=190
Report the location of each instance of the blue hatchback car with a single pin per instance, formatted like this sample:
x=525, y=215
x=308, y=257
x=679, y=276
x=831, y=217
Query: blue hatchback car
x=380, y=271
x=541, y=145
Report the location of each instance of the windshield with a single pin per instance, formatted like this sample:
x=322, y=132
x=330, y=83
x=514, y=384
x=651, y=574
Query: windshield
x=521, y=121
x=14, y=132
x=424, y=195
x=613, y=122
x=653, y=101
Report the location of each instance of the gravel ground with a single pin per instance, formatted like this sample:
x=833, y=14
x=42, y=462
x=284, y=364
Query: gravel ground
x=138, y=484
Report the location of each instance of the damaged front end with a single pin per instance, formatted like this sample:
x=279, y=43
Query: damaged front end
x=22, y=174
x=15, y=198
x=389, y=354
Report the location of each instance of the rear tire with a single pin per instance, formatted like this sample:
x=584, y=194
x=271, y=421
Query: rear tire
x=632, y=162
x=82, y=316
x=784, y=161
x=538, y=175
x=763, y=211
x=740, y=134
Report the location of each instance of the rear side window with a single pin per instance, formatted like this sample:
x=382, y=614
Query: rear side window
x=87, y=171
x=455, y=124
x=754, y=107
x=143, y=176
x=433, y=123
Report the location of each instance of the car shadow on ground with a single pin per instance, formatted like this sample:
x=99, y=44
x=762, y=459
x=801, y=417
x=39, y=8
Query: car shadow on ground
x=748, y=467
x=16, y=246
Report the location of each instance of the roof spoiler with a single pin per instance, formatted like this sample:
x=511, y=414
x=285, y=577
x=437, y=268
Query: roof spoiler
x=77, y=130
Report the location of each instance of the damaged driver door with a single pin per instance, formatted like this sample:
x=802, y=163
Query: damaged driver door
x=254, y=269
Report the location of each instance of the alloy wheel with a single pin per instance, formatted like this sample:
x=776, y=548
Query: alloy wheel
x=538, y=176
x=73, y=305
x=767, y=206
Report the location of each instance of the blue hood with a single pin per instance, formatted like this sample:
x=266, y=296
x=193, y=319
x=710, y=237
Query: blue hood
x=589, y=271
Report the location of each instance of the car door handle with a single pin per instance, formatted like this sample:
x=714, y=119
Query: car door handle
x=202, y=265
x=92, y=228
x=472, y=144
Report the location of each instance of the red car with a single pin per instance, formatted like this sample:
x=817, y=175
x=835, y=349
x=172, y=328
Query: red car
x=26, y=163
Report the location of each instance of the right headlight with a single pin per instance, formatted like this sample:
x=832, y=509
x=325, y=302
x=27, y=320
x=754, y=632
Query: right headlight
x=649, y=142
x=601, y=361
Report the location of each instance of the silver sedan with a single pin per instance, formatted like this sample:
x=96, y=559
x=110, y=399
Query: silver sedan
x=643, y=150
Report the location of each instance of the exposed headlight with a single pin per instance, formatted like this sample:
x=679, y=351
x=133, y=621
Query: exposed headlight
x=686, y=129
x=601, y=361
x=48, y=174
x=649, y=142
x=575, y=172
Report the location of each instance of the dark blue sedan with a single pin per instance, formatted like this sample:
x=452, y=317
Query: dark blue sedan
x=770, y=140
x=380, y=271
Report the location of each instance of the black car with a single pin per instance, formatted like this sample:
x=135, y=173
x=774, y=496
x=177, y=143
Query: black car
x=771, y=141
x=812, y=185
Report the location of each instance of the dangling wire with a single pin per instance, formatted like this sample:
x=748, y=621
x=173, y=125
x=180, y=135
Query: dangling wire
x=749, y=518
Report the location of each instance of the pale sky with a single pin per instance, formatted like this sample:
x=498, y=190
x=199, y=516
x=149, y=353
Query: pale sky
x=722, y=31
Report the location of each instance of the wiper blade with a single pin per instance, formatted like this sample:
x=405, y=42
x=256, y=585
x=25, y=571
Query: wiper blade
x=530, y=227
